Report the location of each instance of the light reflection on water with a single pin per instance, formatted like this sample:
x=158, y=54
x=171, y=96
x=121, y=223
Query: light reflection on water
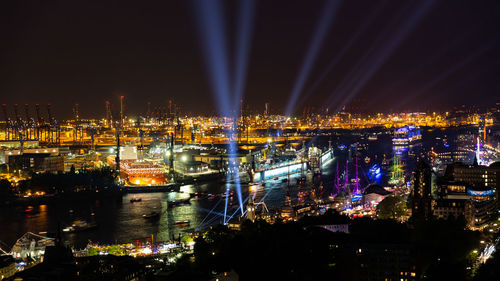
x=121, y=221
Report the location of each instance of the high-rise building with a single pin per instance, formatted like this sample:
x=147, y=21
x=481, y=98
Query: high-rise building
x=451, y=200
x=481, y=206
x=422, y=190
x=475, y=175
x=481, y=190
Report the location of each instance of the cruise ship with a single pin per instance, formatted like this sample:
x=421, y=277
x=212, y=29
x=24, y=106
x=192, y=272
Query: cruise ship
x=140, y=173
x=296, y=166
x=406, y=135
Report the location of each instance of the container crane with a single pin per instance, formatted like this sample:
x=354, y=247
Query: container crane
x=30, y=122
x=8, y=123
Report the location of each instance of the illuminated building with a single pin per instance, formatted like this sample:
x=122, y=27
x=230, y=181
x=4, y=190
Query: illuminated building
x=15, y=144
x=37, y=162
x=451, y=199
x=234, y=224
x=449, y=157
x=220, y=159
x=192, y=167
x=7, y=266
x=53, y=151
x=188, y=163
x=476, y=203
x=475, y=175
x=445, y=208
x=471, y=192
x=481, y=207
x=452, y=190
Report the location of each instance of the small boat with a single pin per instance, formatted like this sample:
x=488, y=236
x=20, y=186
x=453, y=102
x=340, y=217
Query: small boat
x=151, y=216
x=134, y=199
x=367, y=159
x=224, y=195
x=178, y=202
x=196, y=194
x=182, y=222
x=301, y=180
x=284, y=180
x=80, y=225
x=30, y=210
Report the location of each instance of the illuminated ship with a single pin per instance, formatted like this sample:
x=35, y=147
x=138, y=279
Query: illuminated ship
x=80, y=225
x=182, y=223
x=140, y=172
x=406, y=135
x=292, y=167
x=151, y=216
x=397, y=174
x=375, y=172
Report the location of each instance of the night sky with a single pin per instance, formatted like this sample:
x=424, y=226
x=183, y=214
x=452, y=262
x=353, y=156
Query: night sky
x=86, y=52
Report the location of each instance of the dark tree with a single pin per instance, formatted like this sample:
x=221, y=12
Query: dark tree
x=391, y=208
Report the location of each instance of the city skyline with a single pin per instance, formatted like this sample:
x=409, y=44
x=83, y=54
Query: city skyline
x=202, y=139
